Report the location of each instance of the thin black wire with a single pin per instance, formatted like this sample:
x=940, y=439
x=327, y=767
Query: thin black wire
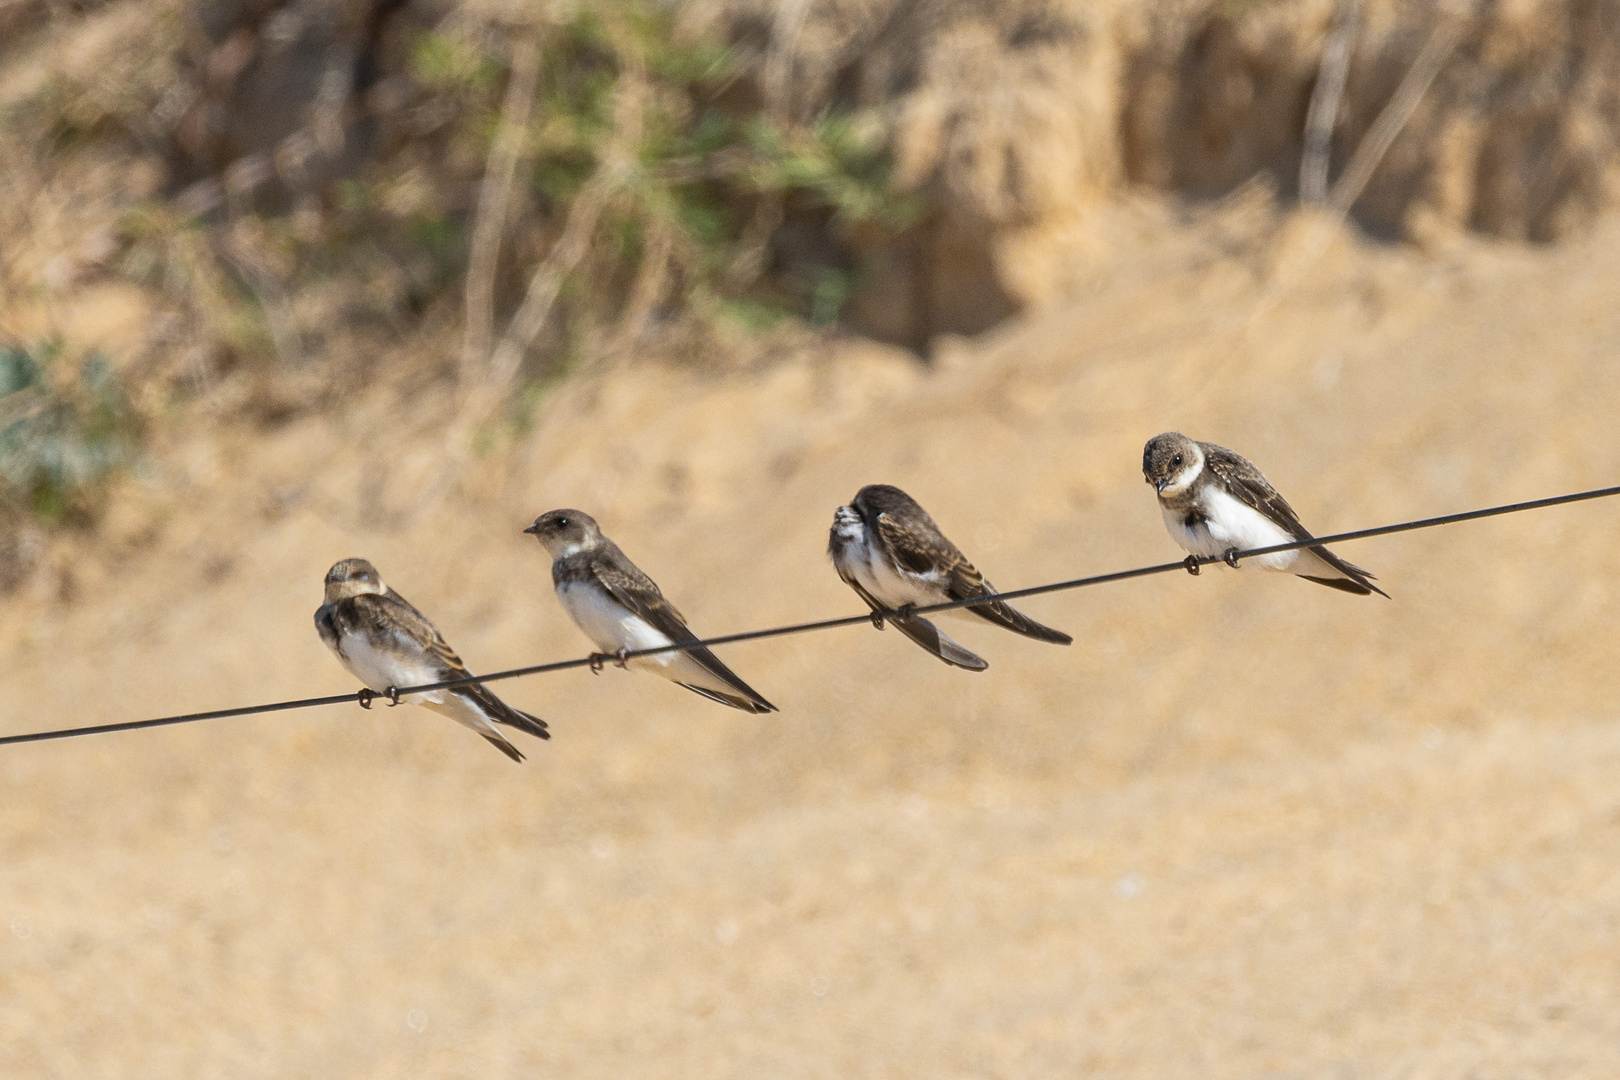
x=825, y=624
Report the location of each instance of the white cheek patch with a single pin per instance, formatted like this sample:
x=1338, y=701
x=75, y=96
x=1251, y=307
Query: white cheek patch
x=847, y=524
x=1183, y=479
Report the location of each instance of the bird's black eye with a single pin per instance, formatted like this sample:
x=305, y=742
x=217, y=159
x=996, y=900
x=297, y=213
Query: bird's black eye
x=562, y=523
x=1176, y=460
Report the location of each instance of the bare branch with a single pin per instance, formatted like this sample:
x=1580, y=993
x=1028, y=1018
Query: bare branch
x=615, y=169
x=494, y=199
x=1394, y=116
x=1324, y=112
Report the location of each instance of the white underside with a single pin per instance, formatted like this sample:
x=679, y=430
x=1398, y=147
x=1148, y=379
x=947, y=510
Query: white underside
x=1231, y=523
x=380, y=669
x=611, y=626
x=861, y=560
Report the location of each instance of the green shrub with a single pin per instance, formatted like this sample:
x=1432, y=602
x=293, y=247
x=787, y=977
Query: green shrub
x=708, y=167
x=64, y=428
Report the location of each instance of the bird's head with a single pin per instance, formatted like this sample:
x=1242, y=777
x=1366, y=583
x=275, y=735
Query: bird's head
x=1171, y=461
x=352, y=577
x=563, y=532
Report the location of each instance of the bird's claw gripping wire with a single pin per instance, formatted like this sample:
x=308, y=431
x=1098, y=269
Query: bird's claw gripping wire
x=599, y=659
x=1231, y=557
x=903, y=613
x=366, y=696
x=392, y=694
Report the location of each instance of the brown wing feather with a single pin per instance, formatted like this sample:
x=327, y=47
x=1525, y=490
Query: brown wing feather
x=1251, y=486
x=624, y=580
x=920, y=547
x=638, y=592
x=394, y=612
x=398, y=614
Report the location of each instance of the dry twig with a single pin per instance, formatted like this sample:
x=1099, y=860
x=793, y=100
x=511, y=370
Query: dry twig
x=1325, y=98
x=1395, y=115
x=614, y=170
x=494, y=199
x=1306, y=248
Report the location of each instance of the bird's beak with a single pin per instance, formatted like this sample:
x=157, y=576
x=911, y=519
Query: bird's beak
x=1159, y=487
x=533, y=530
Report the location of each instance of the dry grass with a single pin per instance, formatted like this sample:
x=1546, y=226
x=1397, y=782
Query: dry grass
x=1243, y=827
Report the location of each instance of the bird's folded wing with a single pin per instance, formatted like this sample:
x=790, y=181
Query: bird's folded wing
x=638, y=592
x=625, y=582
x=391, y=612
x=1250, y=485
x=923, y=550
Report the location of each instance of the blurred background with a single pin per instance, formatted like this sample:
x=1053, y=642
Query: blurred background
x=287, y=281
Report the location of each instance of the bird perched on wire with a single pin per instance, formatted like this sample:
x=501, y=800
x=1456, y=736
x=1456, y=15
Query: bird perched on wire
x=1216, y=503
x=387, y=644
x=622, y=611
x=891, y=553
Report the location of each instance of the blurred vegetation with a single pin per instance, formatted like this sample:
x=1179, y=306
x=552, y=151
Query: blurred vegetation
x=721, y=214
x=65, y=428
x=712, y=175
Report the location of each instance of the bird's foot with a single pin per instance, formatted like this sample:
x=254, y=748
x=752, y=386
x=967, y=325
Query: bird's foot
x=905, y=612
x=877, y=619
x=597, y=659
x=392, y=694
x=365, y=696
x=621, y=658
x=1231, y=557
x=1191, y=563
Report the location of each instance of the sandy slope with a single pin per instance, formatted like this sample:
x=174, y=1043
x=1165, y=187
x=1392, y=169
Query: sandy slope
x=1244, y=827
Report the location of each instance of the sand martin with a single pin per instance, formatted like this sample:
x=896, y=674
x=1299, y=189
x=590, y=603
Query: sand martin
x=387, y=644
x=1216, y=503
x=889, y=550
x=621, y=610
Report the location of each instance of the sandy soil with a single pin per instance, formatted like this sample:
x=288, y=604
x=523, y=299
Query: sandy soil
x=1244, y=827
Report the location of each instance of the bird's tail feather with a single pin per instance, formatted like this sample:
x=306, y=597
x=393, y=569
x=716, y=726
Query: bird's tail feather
x=738, y=694
x=736, y=701
x=1355, y=580
x=499, y=742
x=502, y=713
x=928, y=635
x=1005, y=615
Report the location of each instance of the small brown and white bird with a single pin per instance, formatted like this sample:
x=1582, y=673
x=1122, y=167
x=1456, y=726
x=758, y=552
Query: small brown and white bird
x=891, y=553
x=622, y=610
x=1216, y=503
x=387, y=644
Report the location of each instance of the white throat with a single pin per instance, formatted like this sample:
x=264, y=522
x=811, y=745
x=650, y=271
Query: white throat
x=1183, y=479
x=847, y=524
